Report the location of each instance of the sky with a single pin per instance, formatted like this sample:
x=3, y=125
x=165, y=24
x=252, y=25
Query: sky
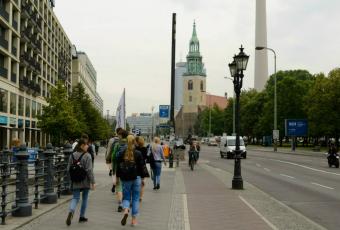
x=129, y=42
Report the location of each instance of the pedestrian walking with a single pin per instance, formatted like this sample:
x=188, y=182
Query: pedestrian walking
x=140, y=146
x=130, y=170
x=116, y=147
x=82, y=177
x=157, y=157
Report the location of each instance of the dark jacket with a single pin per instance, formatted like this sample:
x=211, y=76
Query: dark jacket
x=144, y=152
x=140, y=163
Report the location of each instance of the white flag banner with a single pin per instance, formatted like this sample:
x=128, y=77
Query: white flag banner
x=120, y=113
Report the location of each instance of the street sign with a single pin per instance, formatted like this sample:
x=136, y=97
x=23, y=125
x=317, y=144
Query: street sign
x=296, y=127
x=137, y=132
x=164, y=111
x=276, y=134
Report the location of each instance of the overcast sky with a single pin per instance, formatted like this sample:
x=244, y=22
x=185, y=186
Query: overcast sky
x=129, y=41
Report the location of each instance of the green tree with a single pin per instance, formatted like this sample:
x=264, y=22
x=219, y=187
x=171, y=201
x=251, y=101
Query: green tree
x=89, y=117
x=322, y=105
x=58, y=118
x=292, y=86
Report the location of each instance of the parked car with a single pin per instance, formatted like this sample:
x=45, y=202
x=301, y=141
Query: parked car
x=228, y=146
x=204, y=140
x=212, y=142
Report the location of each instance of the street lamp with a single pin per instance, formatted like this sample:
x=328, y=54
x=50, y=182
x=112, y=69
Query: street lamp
x=275, y=131
x=233, y=107
x=236, y=70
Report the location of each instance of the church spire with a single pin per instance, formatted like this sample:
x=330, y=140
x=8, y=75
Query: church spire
x=194, y=58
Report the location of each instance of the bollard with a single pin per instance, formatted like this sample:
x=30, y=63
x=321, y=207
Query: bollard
x=49, y=197
x=171, y=159
x=22, y=206
x=67, y=182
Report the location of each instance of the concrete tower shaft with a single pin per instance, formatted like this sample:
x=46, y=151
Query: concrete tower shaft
x=261, y=56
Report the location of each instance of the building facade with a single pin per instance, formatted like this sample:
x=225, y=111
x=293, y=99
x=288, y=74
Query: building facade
x=35, y=53
x=179, y=72
x=99, y=103
x=144, y=121
x=83, y=72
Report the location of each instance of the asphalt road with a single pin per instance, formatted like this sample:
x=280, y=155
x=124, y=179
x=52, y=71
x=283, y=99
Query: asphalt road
x=304, y=183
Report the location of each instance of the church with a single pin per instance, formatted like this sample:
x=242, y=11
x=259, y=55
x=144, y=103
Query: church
x=194, y=98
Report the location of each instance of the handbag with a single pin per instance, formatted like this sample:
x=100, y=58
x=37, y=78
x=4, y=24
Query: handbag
x=145, y=172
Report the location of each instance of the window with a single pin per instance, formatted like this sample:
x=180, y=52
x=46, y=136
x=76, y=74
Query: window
x=202, y=86
x=38, y=109
x=28, y=108
x=13, y=104
x=190, y=98
x=3, y=100
x=190, y=85
x=21, y=106
x=34, y=109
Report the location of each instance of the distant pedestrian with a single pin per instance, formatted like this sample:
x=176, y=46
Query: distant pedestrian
x=156, y=154
x=90, y=150
x=82, y=177
x=131, y=172
x=141, y=148
x=96, y=146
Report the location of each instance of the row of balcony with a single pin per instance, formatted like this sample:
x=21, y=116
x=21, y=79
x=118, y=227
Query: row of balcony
x=31, y=62
x=29, y=86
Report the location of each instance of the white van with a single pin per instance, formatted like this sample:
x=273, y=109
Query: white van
x=228, y=145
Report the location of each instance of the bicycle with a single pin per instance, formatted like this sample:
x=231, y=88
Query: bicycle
x=192, y=159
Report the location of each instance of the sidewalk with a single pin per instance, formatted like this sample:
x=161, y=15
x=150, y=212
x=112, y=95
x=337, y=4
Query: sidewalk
x=188, y=200
x=287, y=151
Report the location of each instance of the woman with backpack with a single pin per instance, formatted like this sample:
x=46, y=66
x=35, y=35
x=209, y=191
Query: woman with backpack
x=157, y=156
x=81, y=173
x=131, y=171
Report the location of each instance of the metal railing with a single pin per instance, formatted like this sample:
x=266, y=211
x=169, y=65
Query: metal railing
x=30, y=179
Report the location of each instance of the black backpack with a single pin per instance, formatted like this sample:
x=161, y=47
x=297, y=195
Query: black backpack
x=77, y=171
x=128, y=170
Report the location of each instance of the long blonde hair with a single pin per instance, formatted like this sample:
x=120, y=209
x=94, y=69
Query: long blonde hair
x=156, y=142
x=129, y=153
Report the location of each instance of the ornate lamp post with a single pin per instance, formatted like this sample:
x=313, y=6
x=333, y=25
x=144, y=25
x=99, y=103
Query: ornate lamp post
x=236, y=70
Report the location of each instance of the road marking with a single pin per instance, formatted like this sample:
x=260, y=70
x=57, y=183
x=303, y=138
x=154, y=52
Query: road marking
x=268, y=170
x=258, y=165
x=284, y=175
x=259, y=214
x=186, y=213
x=306, y=167
x=323, y=186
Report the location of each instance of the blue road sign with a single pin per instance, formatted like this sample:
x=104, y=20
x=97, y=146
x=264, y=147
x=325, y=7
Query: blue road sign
x=296, y=127
x=164, y=111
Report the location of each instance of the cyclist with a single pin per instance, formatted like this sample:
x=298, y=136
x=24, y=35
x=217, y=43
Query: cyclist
x=194, y=151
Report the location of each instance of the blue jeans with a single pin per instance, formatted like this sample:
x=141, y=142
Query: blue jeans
x=131, y=192
x=76, y=198
x=157, y=173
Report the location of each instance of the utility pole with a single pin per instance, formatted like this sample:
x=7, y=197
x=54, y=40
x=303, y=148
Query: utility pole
x=173, y=60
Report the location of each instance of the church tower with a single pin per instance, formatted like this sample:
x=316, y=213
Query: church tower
x=194, y=79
